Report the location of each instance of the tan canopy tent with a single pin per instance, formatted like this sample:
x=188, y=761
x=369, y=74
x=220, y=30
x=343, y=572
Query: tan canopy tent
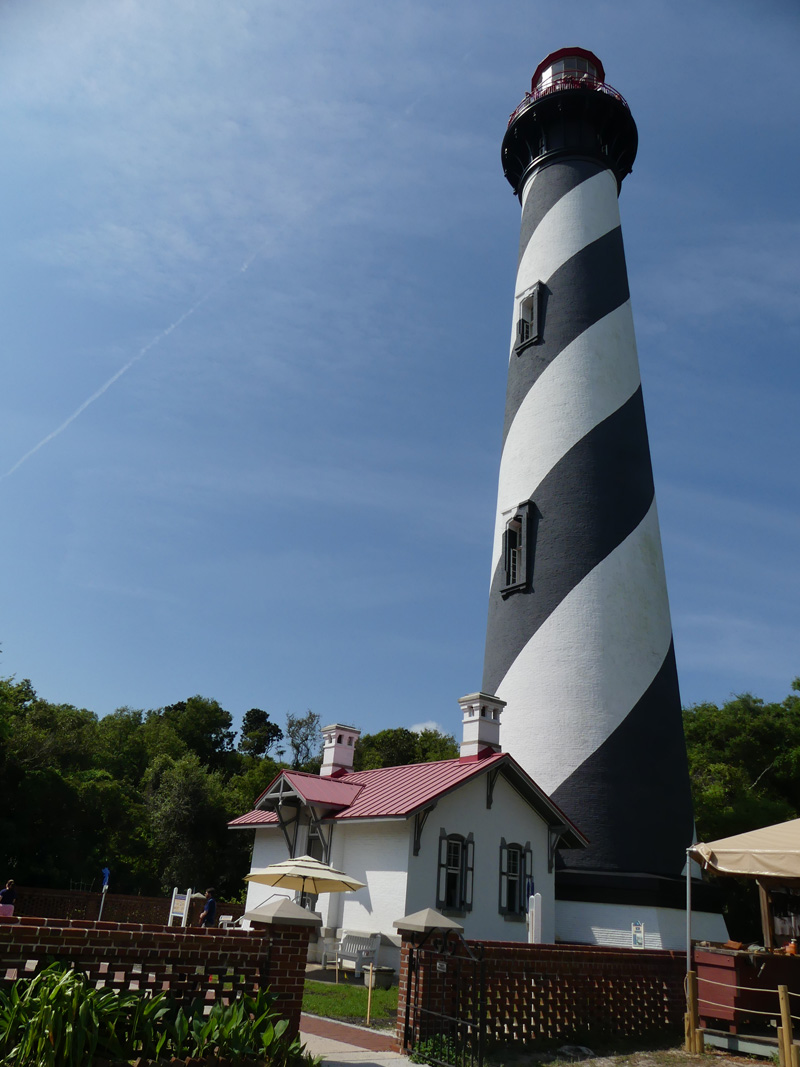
x=770, y=856
x=772, y=852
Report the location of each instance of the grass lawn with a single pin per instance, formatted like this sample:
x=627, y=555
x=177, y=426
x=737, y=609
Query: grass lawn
x=348, y=1002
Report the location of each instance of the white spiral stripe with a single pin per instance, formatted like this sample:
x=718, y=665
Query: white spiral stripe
x=590, y=662
x=582, y=216
x=586, y=383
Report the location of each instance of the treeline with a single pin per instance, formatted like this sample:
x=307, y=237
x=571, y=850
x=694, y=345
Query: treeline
x=149, y=794
x=744, y=759
x=744, y=763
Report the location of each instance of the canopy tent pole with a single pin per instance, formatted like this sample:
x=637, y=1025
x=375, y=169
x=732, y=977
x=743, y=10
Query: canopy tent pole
x=688, y=912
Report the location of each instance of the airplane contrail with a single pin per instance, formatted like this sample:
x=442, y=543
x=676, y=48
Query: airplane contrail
x=123, y=370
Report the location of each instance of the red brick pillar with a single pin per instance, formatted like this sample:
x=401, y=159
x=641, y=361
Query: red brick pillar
x=284, y=969
x=403, y=990
x=428, y=986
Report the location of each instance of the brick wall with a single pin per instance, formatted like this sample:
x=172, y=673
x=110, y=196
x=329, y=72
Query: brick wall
x=210, y=964
x=119, y=907
x=545, y=994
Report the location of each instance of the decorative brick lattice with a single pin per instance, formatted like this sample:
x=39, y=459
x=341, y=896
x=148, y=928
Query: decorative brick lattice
x=189, y=964
x=540, y=994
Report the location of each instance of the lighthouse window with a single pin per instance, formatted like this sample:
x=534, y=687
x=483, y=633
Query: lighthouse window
x=456, y=865
x=529, y=330
x=513, y=551
x=516, y=550
x=516, y=878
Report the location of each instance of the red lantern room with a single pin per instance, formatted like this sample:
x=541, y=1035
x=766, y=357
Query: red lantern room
x=568, y=68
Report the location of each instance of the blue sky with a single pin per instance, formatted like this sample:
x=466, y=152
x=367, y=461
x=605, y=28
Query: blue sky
x=256, y=280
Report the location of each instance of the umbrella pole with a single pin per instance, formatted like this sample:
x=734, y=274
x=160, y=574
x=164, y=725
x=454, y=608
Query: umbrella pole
x=688, y=912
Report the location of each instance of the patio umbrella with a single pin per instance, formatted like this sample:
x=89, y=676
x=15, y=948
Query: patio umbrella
x=306, y=874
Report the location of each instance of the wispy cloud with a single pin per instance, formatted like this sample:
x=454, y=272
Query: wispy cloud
x=95, y=396
x=430, y=724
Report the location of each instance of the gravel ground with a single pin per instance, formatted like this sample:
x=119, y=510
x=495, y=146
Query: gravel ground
x=661, y=1057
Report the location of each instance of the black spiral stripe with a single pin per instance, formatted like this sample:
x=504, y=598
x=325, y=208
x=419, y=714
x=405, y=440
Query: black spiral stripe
x=562, y=180
x=586, y=506
x=634, y=808
x=590, y=285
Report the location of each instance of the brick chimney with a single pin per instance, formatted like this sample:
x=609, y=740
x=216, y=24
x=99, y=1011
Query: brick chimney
x=337, y=752
x=480, y=734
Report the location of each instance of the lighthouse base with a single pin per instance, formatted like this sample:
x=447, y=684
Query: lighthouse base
x=608, y=908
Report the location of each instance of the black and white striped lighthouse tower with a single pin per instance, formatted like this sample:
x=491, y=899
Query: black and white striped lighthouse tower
x=579, y=640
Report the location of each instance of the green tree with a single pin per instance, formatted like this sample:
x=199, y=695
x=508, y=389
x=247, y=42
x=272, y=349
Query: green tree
x=189, y=822
x=258, y=734
x=387, y=748
x=204, y=727
x=433, y=745
x=744, y=763
x=744, y=759
x=398, y=747
x=305, y=740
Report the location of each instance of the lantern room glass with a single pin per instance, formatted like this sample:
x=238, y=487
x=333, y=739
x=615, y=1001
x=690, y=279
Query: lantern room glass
x=575, y=69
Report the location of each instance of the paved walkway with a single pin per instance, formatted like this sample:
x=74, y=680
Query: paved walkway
x=338, y=1043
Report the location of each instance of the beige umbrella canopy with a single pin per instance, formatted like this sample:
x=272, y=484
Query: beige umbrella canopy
x=770, y=856
x=306, y=874
x=772, y=852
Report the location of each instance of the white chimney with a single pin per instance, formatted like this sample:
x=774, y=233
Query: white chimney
x=480, y=732
x=337, y=752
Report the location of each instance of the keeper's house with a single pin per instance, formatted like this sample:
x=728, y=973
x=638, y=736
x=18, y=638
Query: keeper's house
x=472, y=837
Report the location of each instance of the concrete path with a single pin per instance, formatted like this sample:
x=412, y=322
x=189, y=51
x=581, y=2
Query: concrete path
x=338, y=1043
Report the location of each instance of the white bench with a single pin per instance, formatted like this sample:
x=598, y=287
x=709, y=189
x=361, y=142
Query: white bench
x=356, y=947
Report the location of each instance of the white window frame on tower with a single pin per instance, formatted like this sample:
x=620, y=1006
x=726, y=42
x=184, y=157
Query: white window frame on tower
x=529, y=319
x=517, y=549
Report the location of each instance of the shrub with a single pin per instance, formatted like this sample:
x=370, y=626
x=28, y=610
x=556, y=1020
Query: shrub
x=58, y=1019
x=436, y=1049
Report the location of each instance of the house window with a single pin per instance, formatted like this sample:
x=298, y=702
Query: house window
x=529, y=323
x=516, y=549
x=456, y=865
x=516, y=878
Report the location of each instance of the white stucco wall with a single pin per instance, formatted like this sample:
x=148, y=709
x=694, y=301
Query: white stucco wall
x=375, y=854
x=610, y=924
x=510, y=817
x=269, y=847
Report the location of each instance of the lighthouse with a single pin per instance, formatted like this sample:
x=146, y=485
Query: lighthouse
x=579, y=640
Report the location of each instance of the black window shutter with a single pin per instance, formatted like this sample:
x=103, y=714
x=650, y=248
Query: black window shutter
x=469, y=869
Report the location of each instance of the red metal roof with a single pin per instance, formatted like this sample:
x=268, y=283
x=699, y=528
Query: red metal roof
x=399, y=792
x=403, y=790
x=254, y=818
x=329, y=792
